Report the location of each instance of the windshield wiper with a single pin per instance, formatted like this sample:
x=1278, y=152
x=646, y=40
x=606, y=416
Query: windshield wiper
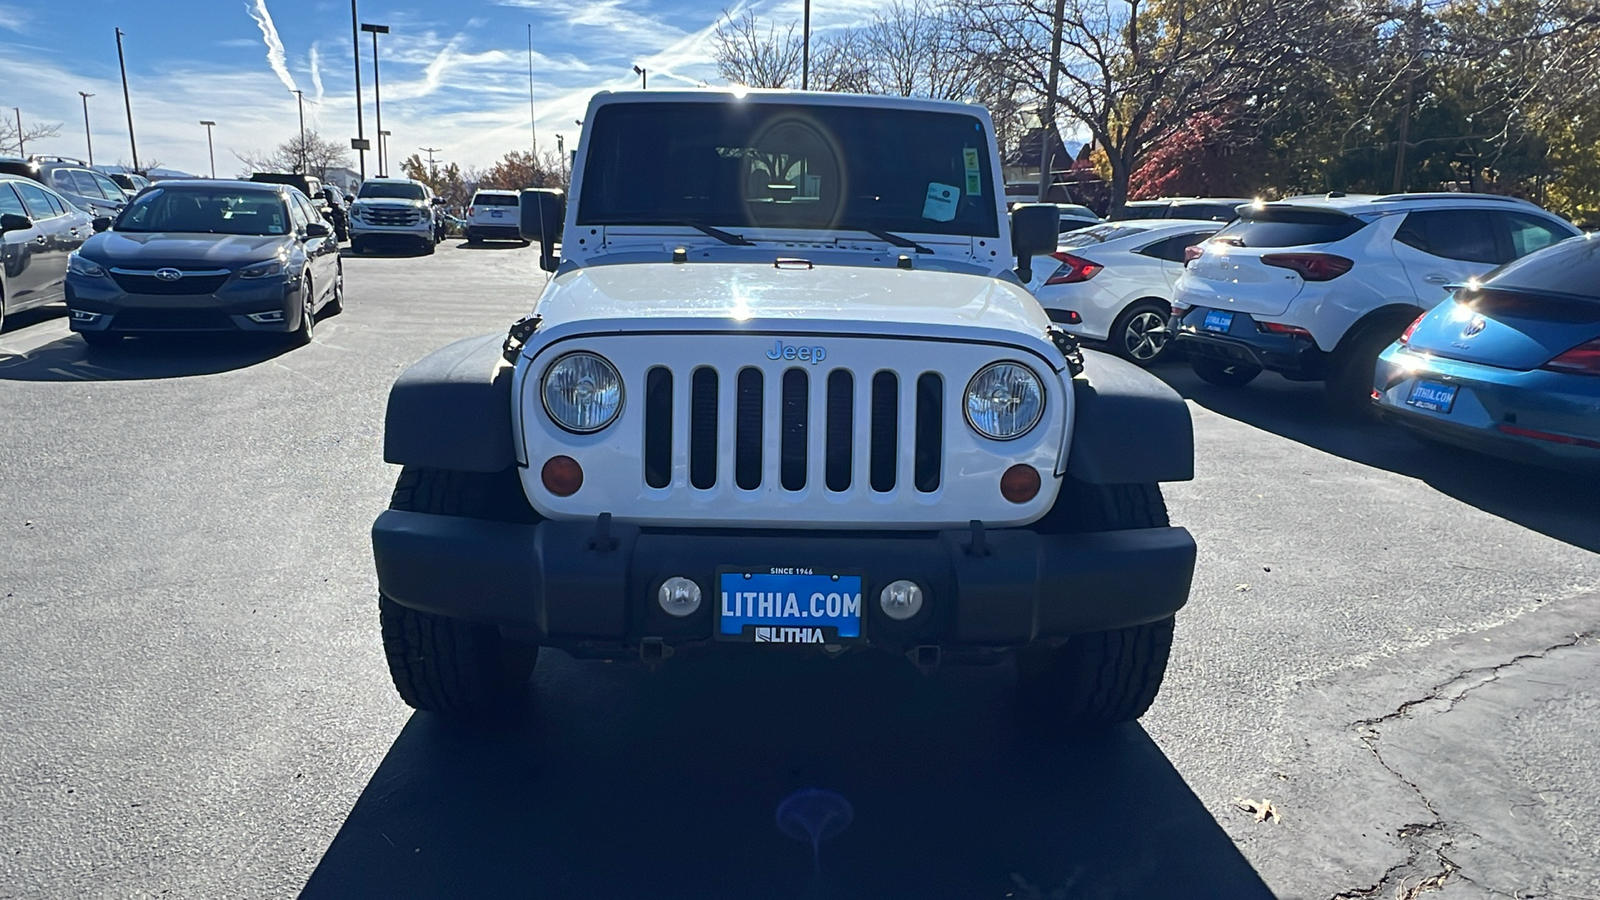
x=721, y=235
x=896, y=240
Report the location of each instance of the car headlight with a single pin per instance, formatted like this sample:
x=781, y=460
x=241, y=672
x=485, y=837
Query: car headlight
x=77, y=265
x=582, y=392
x=1004, y=401
x=262, y=270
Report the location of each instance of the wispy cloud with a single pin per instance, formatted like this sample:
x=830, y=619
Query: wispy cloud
x=316, y=72
x=275, y=54
x=13, y=18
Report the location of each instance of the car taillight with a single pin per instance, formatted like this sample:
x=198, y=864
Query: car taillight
x=1072, y=270
x=1280, y=328
x=1405, y=336
x=1190, y=254
x=1310, y=266
x=472, y=210
x=1583, y=359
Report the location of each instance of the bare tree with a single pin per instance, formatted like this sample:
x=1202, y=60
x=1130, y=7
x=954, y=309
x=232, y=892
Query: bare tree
x=317, y=155
x=913, y=49
x=755, y=57
x=840, y=63
x=1134, y=71
x=36, y=132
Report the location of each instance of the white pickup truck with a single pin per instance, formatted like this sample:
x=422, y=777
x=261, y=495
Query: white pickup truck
x=784, y=387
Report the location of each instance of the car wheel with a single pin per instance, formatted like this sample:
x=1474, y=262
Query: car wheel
x=358, y=247
x=1140, y=334
x=456, y=668
x=2, y=311
x=427, y=247
x=1224, y=373
x=1354, y=364
x=473, y=239
x=308, y=316
x=336, y=302
x=1093, y=681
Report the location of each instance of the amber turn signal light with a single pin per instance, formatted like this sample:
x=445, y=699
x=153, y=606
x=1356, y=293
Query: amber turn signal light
x=562, y=476
x=1020, y=483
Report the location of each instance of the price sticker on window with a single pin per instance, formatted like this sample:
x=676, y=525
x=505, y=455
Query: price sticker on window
x=974, y=172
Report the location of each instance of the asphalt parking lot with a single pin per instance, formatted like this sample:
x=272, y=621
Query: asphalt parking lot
x=1393, y=644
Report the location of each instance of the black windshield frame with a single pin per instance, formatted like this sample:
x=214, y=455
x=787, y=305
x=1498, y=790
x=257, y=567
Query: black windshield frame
x=700, y=163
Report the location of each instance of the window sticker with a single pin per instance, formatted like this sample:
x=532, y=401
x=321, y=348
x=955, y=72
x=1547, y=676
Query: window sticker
x=974, y=172
x=942, y=201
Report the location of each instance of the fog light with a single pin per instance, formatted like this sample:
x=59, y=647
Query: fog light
x=83, y=315
x=562, y=476
x=679, y=596
x=900, y=600
x=275, y=317
x=1020, y=483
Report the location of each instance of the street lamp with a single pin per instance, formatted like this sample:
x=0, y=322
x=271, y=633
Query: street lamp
x=644, y=78
x=210, y=151
x=360, y=143
x=383, y=149
x=87, y=137
x=300, y=96
x=377, y=96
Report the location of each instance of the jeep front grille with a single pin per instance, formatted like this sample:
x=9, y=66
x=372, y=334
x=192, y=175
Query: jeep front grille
x=753, y=430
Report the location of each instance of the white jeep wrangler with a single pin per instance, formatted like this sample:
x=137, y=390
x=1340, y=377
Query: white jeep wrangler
x=785, y=389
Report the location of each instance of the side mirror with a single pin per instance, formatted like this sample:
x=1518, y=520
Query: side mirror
x=101, y=223
x=14, y=222
x=542, y=212
x=438, y=201
x=318, y=230
x=1033, y=231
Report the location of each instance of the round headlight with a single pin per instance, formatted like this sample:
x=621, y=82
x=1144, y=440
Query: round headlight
x=582, y=392
x=1004, y=401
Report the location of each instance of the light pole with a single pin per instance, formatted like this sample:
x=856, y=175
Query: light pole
x=383, y=149
x=300, y=97
x=644, y=78
x=805, y=50
x=377, y=92
x=360, y=143
x=87, y=137
x=127, y=103
x=533, y=126
x=210, y=151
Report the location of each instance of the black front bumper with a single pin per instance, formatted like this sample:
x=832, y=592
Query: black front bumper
x=1295, y=357
x=571, y=583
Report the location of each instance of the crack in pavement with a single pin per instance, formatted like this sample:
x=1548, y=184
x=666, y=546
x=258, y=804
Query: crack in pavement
x=1419, y=835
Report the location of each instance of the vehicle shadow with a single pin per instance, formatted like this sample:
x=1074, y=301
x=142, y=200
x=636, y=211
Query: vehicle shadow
x=462, y=244
x=142, y=358
x=15, y=321
x=1555, y=503
x=667, y=785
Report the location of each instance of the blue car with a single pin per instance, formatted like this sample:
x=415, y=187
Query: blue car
x=1509, y=365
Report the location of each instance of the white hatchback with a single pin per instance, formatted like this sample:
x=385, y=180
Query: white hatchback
x=1114, y=282
x=493, y=215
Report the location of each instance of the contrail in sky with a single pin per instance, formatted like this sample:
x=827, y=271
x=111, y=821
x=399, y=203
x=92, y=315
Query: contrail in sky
x=316, y=72
x=269, y=32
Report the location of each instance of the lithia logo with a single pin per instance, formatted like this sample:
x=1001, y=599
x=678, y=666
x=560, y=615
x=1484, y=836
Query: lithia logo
x=789, y=636
x=812, y=355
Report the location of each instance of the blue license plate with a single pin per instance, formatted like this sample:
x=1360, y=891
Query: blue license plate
x=494, y=213
x=788, y=606
x=1432, y=395
x=1218, y=321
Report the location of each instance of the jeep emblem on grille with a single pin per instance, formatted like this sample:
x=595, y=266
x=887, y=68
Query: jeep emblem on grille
x=812, y=355
x=168, y=274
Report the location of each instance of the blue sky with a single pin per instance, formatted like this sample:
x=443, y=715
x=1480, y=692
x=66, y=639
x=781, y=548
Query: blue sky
x=454, y=72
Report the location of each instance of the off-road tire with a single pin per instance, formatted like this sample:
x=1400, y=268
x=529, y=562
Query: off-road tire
x=1094, y=681
x=1223, y=373
x=453, y=667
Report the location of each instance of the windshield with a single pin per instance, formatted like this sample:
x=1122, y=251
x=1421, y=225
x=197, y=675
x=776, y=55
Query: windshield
x=214, y=211
x=788, y=166
x=381, y=191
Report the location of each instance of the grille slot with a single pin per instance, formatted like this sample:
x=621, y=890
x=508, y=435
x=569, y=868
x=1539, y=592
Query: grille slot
x=658, y=427
x=884, y=431
x=792, y=442
x=391, y=217
x=841, y=418
x=747, y=429
x=930, y=432
x=703, y=428
x=137, y=319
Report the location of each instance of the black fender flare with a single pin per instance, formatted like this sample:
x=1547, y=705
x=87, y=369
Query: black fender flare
x=1129, y=426
x=452, y=409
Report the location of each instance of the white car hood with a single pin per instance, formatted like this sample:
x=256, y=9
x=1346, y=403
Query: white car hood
x=758, y=296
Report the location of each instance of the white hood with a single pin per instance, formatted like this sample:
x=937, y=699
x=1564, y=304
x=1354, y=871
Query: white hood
x=757, y=296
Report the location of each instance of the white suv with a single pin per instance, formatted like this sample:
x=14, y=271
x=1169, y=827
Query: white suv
x=493, y=214
x=784, y=392
x=394, y=211
x=1315, y=287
